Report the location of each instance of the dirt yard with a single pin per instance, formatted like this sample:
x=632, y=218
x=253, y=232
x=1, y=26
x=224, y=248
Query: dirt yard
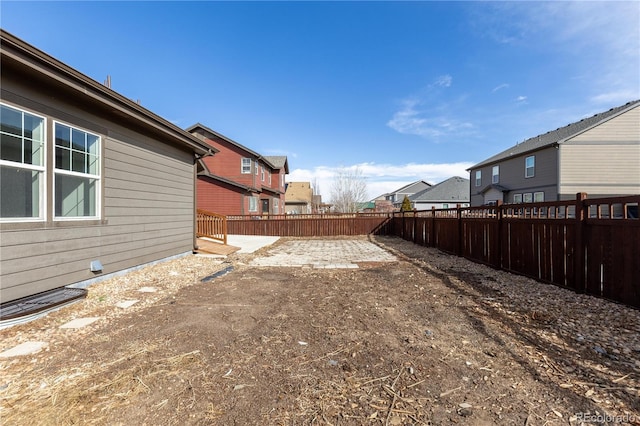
x=427, y=339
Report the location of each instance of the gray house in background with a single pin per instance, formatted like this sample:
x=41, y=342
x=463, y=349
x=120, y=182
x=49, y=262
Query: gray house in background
x=90, y=182
x=445, y=195
x=396, y=197
x=599, y=155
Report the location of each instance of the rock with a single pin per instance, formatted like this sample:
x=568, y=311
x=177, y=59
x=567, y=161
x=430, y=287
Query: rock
x=599, y=350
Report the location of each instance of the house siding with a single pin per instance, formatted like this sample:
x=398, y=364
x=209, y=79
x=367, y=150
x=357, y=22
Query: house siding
x=146, y=204
x=603, y=161
x=512, y=177
x=220, y=198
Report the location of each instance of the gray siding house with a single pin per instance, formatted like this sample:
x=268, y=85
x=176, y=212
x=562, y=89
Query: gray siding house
x=396, y=197
x=599, y=155
x=86, y=175
x=447, y=194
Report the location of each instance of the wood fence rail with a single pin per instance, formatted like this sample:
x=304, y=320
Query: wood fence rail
x=211, y=225
x=589, y=246
x=307, y=225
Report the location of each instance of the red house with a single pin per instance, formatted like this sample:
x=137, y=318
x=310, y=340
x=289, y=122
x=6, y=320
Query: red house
x=237, y=180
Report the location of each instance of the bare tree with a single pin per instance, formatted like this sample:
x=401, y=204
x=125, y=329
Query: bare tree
x=349, y=188
x=317, y=198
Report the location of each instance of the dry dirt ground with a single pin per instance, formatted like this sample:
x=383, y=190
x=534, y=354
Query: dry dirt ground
x=427, y=339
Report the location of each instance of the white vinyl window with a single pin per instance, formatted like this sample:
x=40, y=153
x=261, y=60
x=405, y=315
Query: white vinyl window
x=282, y=181
x=253, y=204
x=495, y=174
x=76, y=174
x=256, y=167
x=478, y=177
x=246, y=166
x=517, y=198
x=269, y=178
x=538, y=197
x=262, y=174
x=528, y=197
x=276, y=206
x=530, y=166
x=22, y=165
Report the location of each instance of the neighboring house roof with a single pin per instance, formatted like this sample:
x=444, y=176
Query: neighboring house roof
x=453, y=189
x=210, y=175
x=405, y=188
x=17, y=51
x=196, y=126
x=557, y=136
x=278, y=161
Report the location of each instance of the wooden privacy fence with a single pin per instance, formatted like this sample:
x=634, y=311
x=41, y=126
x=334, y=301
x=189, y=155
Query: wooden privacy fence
x=211, y=225
x=589, y=246
x=307, y=225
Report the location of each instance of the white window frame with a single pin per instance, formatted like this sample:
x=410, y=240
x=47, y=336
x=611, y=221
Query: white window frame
x=276, y=206
x=256, y=164
x=253, y=204
x=527, y=197
x=538, y=197
x=532, y=167
x=269, y=178
x=42, y=181
x=262, y=173
x=478, y=177
x=245, y=166
x=517, y=198
x=63, y=172
x=282, y=181
x=495, y=174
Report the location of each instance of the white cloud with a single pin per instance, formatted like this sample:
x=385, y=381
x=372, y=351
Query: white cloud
x=429, y=124
x=500, y=87
x=382, y=178
x=444, y=81
x=521, y=99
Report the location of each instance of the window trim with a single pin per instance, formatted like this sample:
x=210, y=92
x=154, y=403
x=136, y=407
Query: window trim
x=515, y=201
x=43, y=181
x=253, y=200
x=55, y=172
x=526, y=167
x=256, y=164
x=527, y=197
x=244, y=166
x=478, y=181
x=495, y=177
x=537, y=193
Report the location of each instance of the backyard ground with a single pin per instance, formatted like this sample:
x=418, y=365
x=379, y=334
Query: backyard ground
x=418, y=337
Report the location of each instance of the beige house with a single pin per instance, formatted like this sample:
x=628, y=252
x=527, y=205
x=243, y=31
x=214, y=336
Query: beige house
x=91, y=182
x=599, y=155
x=298, y=198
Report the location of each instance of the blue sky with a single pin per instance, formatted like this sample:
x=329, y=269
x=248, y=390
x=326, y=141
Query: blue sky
x=401, y=90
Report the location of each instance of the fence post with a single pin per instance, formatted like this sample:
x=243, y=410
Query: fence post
x=415, y=225
x=432, y=231
x=579, y=249
x=459, y=219
x=499, y=216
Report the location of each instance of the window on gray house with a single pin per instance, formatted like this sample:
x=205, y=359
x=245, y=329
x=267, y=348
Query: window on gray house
x=530, y=166
x=495, y=174
x=538, y=197
x=22, y=166
x=517, y=198
x=77, y=173
x=478, y=177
